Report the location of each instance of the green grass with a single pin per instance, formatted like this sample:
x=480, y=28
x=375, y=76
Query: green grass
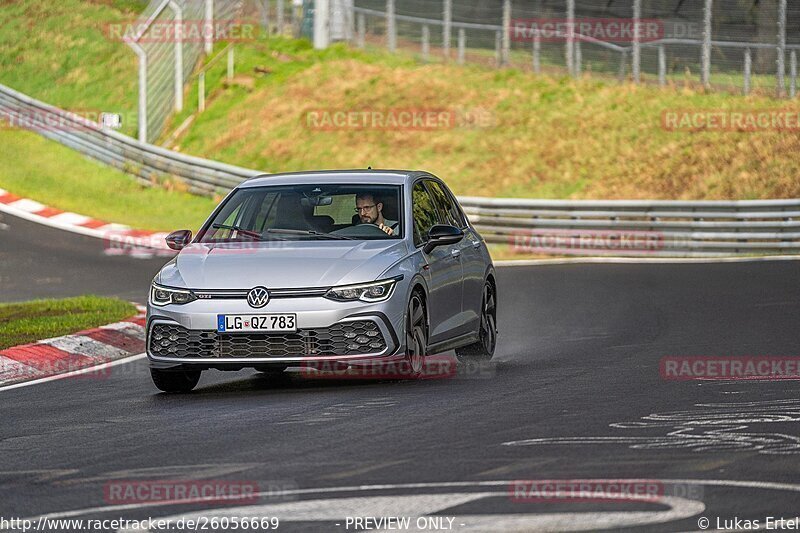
x=24, y=323
x=58, y=52
x=36, y=168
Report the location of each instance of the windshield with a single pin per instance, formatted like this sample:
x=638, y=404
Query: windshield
x=307, y=212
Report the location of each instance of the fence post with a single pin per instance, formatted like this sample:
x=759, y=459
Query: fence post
x=322, y=24
x=391, y=29
x=748, y=67
x=426, y=42
x=781, y=48
x=201, y=92
x=506, y=51
x=570, y=51
x=623, y=64
x=447, y=28
x=362, y=31
x=705, y=74
x=209, y=25
x=662, y=65
x=178, y=56
x=230, y=62
x=263, y=8
x=578, y=58
x=279, y=16
x=498, y=55
x=142, y=118
x=462, y=44
x=637, y=48
x=537, y=52
x=793, y=73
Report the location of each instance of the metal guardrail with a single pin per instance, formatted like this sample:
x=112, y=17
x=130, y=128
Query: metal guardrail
x=564, y=227
x=147, y=162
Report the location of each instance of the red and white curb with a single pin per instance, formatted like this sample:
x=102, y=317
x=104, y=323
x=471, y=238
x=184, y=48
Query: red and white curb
x=76, y=352
x=120, y=239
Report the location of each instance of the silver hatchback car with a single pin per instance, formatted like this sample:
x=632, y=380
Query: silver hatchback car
x=342, y=267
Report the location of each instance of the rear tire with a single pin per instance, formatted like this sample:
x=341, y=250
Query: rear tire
x=416, y=332
x=175, y=380
x=483, y=350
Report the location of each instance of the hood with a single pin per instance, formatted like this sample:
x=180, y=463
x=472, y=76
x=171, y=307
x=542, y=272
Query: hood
x=280, y=264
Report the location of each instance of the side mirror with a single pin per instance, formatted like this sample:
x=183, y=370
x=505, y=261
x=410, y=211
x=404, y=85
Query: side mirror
x=442, y=234
x=178, y=240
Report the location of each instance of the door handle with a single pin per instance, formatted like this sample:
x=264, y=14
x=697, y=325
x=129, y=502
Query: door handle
x=476, y=244
x=455, y=254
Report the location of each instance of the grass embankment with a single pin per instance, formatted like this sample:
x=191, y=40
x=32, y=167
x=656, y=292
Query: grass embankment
x=549, y=137
x=23, y=323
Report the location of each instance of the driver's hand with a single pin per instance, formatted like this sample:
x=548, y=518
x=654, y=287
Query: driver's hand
x=386, y=229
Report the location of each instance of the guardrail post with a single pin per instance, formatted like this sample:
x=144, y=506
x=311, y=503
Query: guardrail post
x=208, y=36
x=748, y=67
x=447, y=28
x=537, y=52
x=362, y=31
x=462, y=44
x=781, y=78
x=662, y=65
x=426, y=43
x=201, y=92
x=505, y=56
x=570, y=38
x=391, y=28
x=498, y=39
x=705, y=60
x=793, y=73
x=230, y=63
x=637, y=48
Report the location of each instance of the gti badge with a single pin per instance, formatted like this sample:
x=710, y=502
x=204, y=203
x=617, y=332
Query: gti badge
x=258, y=297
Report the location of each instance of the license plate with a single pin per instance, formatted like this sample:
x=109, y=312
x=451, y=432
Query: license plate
x=257, y=323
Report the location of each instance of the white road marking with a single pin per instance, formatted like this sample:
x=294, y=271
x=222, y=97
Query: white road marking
x=86, y=370
x=750, y=484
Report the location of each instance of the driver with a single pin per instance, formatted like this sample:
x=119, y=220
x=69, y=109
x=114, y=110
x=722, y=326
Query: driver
x=370, y=211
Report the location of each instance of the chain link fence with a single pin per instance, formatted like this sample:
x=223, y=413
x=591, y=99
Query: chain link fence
x=737, y=45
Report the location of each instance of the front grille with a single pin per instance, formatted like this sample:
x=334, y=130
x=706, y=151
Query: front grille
x=347, y=338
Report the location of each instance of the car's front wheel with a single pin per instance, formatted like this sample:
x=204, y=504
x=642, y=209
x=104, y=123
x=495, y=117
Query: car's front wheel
x=483, y=349
x=416, y=335
x=175, y=380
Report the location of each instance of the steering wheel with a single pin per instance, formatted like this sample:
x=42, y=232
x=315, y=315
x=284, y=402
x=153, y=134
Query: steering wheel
x=360, y=229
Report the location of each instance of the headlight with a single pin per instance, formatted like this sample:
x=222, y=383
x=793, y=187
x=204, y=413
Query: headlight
x=161, y=296
x=376, y=291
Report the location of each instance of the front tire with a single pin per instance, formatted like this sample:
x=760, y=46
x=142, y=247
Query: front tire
x=483, y=350
x=175, y=380
x=416, y=326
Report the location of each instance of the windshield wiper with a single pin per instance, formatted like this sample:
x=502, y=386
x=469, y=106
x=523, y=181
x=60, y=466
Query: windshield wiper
x=309, y=232
x=245, y=232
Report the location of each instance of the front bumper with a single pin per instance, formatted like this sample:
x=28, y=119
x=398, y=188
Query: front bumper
x=241, y=350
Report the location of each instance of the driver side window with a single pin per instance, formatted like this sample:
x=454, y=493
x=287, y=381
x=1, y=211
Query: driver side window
x=424, y=212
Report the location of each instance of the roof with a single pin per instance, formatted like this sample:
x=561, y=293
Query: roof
x=373, y=177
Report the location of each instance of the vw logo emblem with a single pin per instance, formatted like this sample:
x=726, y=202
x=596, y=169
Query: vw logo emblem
x=258, y=297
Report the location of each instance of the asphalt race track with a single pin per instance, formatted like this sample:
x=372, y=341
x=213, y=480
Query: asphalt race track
x=574, y=392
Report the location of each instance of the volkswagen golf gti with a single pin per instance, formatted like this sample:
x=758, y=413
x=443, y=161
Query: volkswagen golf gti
x=345, y=268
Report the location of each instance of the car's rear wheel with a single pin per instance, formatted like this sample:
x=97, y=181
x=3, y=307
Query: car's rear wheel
x=175, y=380
x=483, y=349
x=416, y=336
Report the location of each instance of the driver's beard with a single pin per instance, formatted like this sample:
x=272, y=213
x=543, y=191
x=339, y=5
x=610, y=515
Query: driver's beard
x=367, y=220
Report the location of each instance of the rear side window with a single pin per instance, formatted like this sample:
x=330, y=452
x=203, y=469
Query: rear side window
x=446, y=204
x=424, y=211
